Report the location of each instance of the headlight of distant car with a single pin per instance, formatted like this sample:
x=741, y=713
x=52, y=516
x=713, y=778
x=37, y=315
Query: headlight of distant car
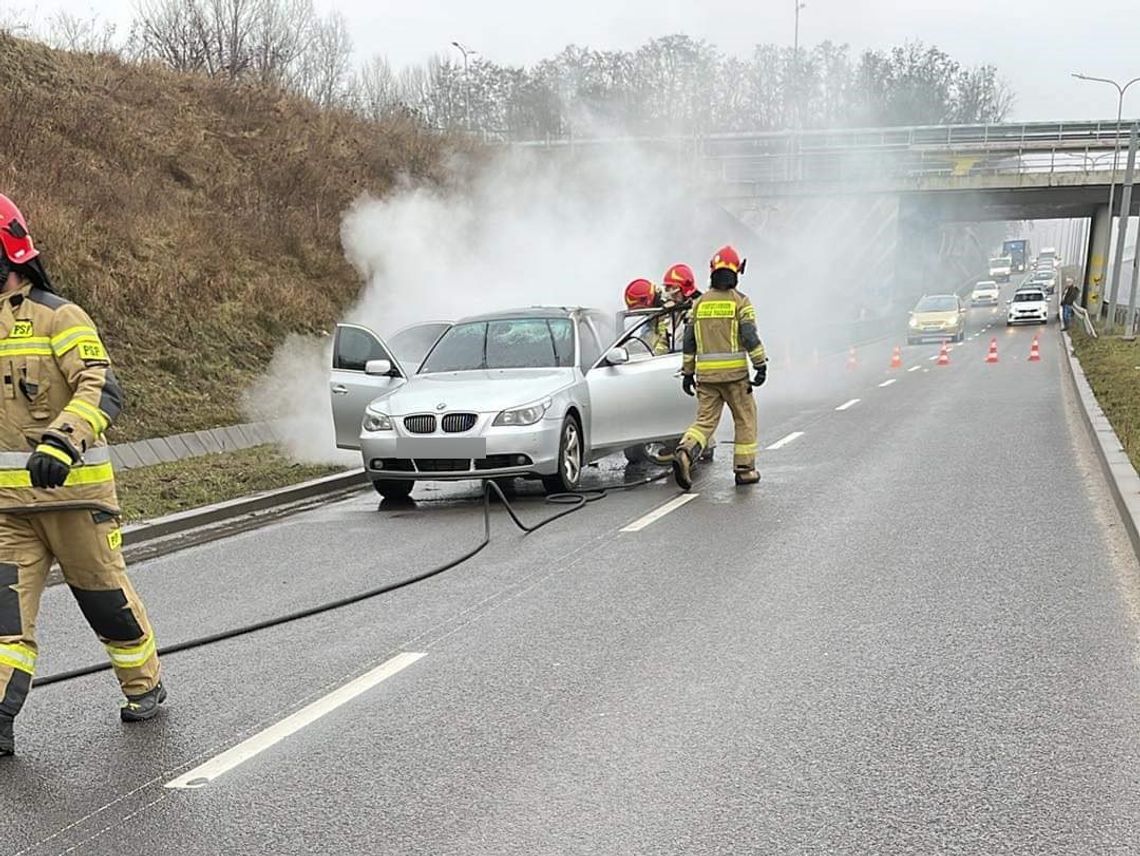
x=913, y=321
x=374, y=421
x=523, y=415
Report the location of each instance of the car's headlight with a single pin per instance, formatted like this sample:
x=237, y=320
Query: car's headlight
x=376, y=421
x=523, y=415
x=913, y=321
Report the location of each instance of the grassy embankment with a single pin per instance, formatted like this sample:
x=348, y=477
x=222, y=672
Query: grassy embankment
x=163, y=489
x=1113, y=369
x=198, y=223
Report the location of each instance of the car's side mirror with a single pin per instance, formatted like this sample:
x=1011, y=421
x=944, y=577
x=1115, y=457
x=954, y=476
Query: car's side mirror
x=617, y=356
x=378, y=368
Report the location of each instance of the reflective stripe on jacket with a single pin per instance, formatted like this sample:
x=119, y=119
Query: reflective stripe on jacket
x=56, y=380
x=722, y=339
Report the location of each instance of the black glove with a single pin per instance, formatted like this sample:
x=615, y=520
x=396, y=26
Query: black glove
x=761, y=375
x=50, y=463
x=687, y=384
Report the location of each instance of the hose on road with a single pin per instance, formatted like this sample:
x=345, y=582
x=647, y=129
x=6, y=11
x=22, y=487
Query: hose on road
x=575, y=501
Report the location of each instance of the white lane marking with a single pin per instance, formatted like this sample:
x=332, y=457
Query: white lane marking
x=848, y=405
x=657, y=514
x=204, y=774
x=887, y=383
x=914, y=368
x=781, y=443
x=932, y=359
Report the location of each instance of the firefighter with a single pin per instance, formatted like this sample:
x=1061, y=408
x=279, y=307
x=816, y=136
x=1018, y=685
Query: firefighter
x=680, y=285
x=57, y=490
x=643, y=294
x=681, y=288
x=717, y=349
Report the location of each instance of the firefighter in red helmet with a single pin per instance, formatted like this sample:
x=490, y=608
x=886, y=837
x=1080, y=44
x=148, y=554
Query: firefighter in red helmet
x=680, y=284
x=57, y=490
x=719, y=345
x=643, y=294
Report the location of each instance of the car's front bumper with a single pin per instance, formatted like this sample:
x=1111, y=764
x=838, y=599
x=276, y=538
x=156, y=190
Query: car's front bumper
x=983, y=301
x=510, y=451
x=1027, y=317
x=937, y=335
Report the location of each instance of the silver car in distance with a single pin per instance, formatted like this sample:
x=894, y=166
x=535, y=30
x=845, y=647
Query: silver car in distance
x=531, y=392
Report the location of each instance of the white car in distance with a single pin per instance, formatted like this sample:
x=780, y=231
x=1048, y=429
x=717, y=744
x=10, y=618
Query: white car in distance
x=1028, y=306
x=985, y=293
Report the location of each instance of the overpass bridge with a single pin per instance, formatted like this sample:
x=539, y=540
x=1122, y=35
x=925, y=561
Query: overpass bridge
x=916, y=177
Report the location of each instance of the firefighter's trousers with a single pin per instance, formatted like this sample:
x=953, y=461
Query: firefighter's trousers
x=87, y=545
x=711, y=399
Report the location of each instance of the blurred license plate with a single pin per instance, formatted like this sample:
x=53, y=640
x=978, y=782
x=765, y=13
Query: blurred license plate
x=441, y=447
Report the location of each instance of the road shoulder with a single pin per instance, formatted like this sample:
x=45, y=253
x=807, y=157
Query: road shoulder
x=1123, y=480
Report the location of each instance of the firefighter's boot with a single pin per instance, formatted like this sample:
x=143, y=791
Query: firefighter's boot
x=747, y=475
x=137, y=708
x=7, y=737
x=683, y=466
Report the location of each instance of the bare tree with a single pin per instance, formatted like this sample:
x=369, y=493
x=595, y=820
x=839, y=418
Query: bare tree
x=323, y=71
x=71, y=33
x=375, y=89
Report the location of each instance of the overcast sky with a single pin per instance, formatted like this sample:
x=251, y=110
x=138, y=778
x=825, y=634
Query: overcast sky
x=1035, y=43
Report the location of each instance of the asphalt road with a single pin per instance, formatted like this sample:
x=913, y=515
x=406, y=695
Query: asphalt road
x=917, y=635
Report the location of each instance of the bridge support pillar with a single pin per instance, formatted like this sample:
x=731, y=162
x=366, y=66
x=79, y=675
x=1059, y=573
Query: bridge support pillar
x=1100, y=238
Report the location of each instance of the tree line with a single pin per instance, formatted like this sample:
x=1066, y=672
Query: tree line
x=669, y=85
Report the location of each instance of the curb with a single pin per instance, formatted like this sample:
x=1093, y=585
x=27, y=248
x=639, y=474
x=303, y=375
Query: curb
x=1123, y=480
x=165, y=535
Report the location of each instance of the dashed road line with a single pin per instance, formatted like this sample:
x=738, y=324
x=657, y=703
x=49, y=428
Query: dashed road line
x=887, y=383
x=849, y=404
x=783, y=441
x=914, y=368
x=658, y=513
x=203, y=774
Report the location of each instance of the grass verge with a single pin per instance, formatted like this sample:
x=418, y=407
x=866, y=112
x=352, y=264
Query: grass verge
x=165, y=488
x=1113, y=369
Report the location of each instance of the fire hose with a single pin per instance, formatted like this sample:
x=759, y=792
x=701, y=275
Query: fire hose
x=574, y=501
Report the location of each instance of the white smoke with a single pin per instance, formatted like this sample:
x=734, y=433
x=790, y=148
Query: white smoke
x=519, y=229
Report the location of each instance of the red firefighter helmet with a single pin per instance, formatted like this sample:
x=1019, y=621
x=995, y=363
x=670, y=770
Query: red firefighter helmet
x=727, y=257
x=680, y=277
x=14, y=238
x=640, y=294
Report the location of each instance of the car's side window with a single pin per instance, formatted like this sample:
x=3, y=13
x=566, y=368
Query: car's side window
x=354, y=348
x=591, y=348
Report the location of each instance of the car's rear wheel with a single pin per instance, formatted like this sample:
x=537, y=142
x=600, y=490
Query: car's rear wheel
x=394, y=488
x=570, y=455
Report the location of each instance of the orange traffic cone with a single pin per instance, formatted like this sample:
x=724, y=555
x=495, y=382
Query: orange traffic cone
x=852, y=361
x=992, y=356
x=896, y=358
x=943, y=356
x=1034, y=352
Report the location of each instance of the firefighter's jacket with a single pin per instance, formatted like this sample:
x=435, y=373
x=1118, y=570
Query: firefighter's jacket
x=57, y=381
x=722, y=338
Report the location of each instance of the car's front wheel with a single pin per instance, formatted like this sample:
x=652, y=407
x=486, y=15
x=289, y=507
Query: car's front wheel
x=570, y=455
x=394, y=488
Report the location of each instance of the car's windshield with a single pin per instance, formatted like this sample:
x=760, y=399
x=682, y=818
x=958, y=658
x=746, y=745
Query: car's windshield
x=511, y=343
x=985, y=286
x=999, y=262
x=1028, y=297
x=937, y=303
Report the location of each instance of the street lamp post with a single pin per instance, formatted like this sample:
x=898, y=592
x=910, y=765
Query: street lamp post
x=1105, y=307
x=796, y=66
x=466, y=84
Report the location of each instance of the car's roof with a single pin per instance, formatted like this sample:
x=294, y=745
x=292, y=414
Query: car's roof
x=528, y=312
x=928, y=296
